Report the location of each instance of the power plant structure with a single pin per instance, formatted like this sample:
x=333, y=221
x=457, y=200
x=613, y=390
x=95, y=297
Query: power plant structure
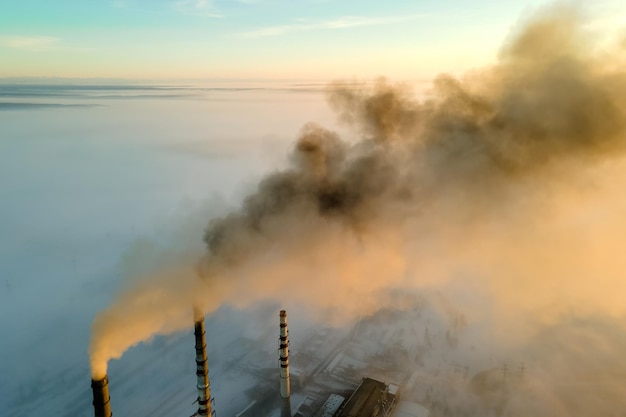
x=100, y=388
x=319, y=391
x=371, y=398
x=202, y=368
x=285, y=383
x=101, y=399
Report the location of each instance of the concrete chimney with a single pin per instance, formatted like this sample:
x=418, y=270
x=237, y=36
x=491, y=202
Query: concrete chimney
x=202, y=369
x=101, y=399
x=285, y=386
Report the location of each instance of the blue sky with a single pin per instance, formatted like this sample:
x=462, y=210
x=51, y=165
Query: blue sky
x=306, y=39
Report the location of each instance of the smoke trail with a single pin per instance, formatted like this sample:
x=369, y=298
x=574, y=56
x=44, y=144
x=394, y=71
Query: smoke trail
x=504, y=183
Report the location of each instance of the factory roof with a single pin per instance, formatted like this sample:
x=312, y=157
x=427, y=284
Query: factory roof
x=330, y=406
x=370, y=399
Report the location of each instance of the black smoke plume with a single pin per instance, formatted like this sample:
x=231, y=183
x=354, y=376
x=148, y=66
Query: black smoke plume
x=503, y=184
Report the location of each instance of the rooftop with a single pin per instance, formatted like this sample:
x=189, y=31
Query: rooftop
x=370, y=399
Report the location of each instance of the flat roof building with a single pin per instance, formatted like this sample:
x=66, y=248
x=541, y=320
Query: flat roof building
x=370, y=399
x=330, y=407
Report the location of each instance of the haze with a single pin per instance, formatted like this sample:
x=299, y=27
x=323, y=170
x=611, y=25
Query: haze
x=480, y=212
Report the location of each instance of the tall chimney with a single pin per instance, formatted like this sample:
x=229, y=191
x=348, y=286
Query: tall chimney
x=285, y=387
x=202, y=370
x=101, y=399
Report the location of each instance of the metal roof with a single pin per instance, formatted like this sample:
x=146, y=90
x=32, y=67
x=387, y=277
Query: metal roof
x=370, y=399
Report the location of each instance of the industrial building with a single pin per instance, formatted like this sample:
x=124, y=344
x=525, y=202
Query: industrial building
x=325, y=387
x=371, y=398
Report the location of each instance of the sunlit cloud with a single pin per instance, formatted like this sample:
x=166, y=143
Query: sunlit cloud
x=345, y=22
x=29, y=43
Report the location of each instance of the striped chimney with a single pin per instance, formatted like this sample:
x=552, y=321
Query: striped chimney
x=101, y=399
x=202, y=369
x=285, y=386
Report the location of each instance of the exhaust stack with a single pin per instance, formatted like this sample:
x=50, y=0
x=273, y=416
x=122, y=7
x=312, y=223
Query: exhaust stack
x=101, y=399
x=285, y=386
x=202, y=369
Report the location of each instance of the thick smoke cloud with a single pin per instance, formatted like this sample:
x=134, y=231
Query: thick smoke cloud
x=500, y=189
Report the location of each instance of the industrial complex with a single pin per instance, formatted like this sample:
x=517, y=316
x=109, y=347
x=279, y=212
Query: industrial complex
x=323, y=388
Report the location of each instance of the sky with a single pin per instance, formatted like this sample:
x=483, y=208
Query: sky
x=259, y=39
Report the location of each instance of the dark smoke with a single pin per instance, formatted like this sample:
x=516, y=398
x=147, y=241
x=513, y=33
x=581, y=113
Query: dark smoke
x=501, y=188
x=548, y=99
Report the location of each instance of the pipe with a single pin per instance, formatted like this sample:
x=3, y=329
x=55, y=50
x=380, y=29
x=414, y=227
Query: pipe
x=285, y=386
x=202, y=369
x=101, y=399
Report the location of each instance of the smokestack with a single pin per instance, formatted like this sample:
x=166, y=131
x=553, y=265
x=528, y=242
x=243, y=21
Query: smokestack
x=285, y=386
x=101, y=399
x=202, y=370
